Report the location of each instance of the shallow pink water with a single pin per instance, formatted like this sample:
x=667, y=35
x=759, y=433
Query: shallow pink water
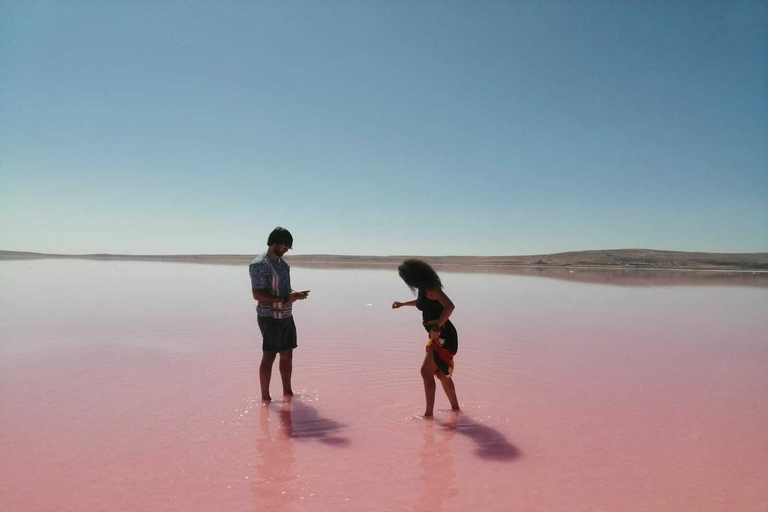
x=133, y=386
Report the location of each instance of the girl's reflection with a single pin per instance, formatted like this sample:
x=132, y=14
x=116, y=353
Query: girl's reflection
x=438, y=479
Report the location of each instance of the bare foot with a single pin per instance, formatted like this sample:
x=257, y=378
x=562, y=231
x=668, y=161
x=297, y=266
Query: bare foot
x=288, y=393
x=456, y=408
x=266, y=398
x=428, y=414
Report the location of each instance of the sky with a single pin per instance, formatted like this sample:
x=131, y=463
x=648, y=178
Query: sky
x=383, y=127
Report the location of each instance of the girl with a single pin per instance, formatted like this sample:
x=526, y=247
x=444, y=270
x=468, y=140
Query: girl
x=435, y=307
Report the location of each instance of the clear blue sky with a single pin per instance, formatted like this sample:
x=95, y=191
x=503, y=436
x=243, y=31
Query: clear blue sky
x=429, y=128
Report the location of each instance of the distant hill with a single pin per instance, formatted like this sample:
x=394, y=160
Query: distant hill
x=611, y=259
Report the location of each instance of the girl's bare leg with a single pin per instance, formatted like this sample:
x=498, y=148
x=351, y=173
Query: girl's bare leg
x=450, y=390
x=428, y=368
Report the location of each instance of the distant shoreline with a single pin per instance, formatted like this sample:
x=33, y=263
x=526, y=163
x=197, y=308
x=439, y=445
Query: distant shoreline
x=634, y=268
x=618, y=259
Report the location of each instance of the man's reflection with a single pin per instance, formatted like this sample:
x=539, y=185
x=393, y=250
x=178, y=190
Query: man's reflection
x=297, y=421
x=274, y=487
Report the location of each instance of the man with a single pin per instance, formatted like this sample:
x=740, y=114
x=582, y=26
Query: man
x=271, y=287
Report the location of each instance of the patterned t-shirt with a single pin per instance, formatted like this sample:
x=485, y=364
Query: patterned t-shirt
x=275, y=277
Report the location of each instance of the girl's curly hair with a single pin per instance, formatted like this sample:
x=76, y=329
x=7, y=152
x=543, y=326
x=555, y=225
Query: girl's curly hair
x=418, y=274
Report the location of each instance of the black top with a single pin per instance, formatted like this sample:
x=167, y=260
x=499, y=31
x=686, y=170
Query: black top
x=430, y=309
x=449, y=338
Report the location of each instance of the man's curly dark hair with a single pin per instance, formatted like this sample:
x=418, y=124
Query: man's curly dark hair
x=418, y=274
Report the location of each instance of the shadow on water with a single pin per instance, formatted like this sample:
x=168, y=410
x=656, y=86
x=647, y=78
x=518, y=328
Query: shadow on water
x=491, y=444
x=302, y=422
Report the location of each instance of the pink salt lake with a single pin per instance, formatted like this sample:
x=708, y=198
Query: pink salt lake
x=133, y=386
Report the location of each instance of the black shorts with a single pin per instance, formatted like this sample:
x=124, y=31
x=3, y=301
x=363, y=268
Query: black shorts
x=278, y=334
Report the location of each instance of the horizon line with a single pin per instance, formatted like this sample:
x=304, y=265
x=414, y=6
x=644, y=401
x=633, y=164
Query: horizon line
x=530, y=255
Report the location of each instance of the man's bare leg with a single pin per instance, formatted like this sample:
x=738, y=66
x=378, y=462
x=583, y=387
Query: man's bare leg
x=286, y=369
x=265, y=374
x=428, y=368
x=450, y=390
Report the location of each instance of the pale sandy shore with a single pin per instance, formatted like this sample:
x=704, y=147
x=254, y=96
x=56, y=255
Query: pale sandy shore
x=625, y=267
x=619, y=258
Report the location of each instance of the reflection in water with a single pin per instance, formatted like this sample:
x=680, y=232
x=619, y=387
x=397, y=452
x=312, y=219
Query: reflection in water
x=491, y=444
x=619, y=275
x=297, y=421
x=274, y=475
x=438, y=478
x=634, y=277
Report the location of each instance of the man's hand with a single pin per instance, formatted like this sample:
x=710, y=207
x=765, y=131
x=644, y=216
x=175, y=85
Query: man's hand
x=396, y=305
x=293, y=297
